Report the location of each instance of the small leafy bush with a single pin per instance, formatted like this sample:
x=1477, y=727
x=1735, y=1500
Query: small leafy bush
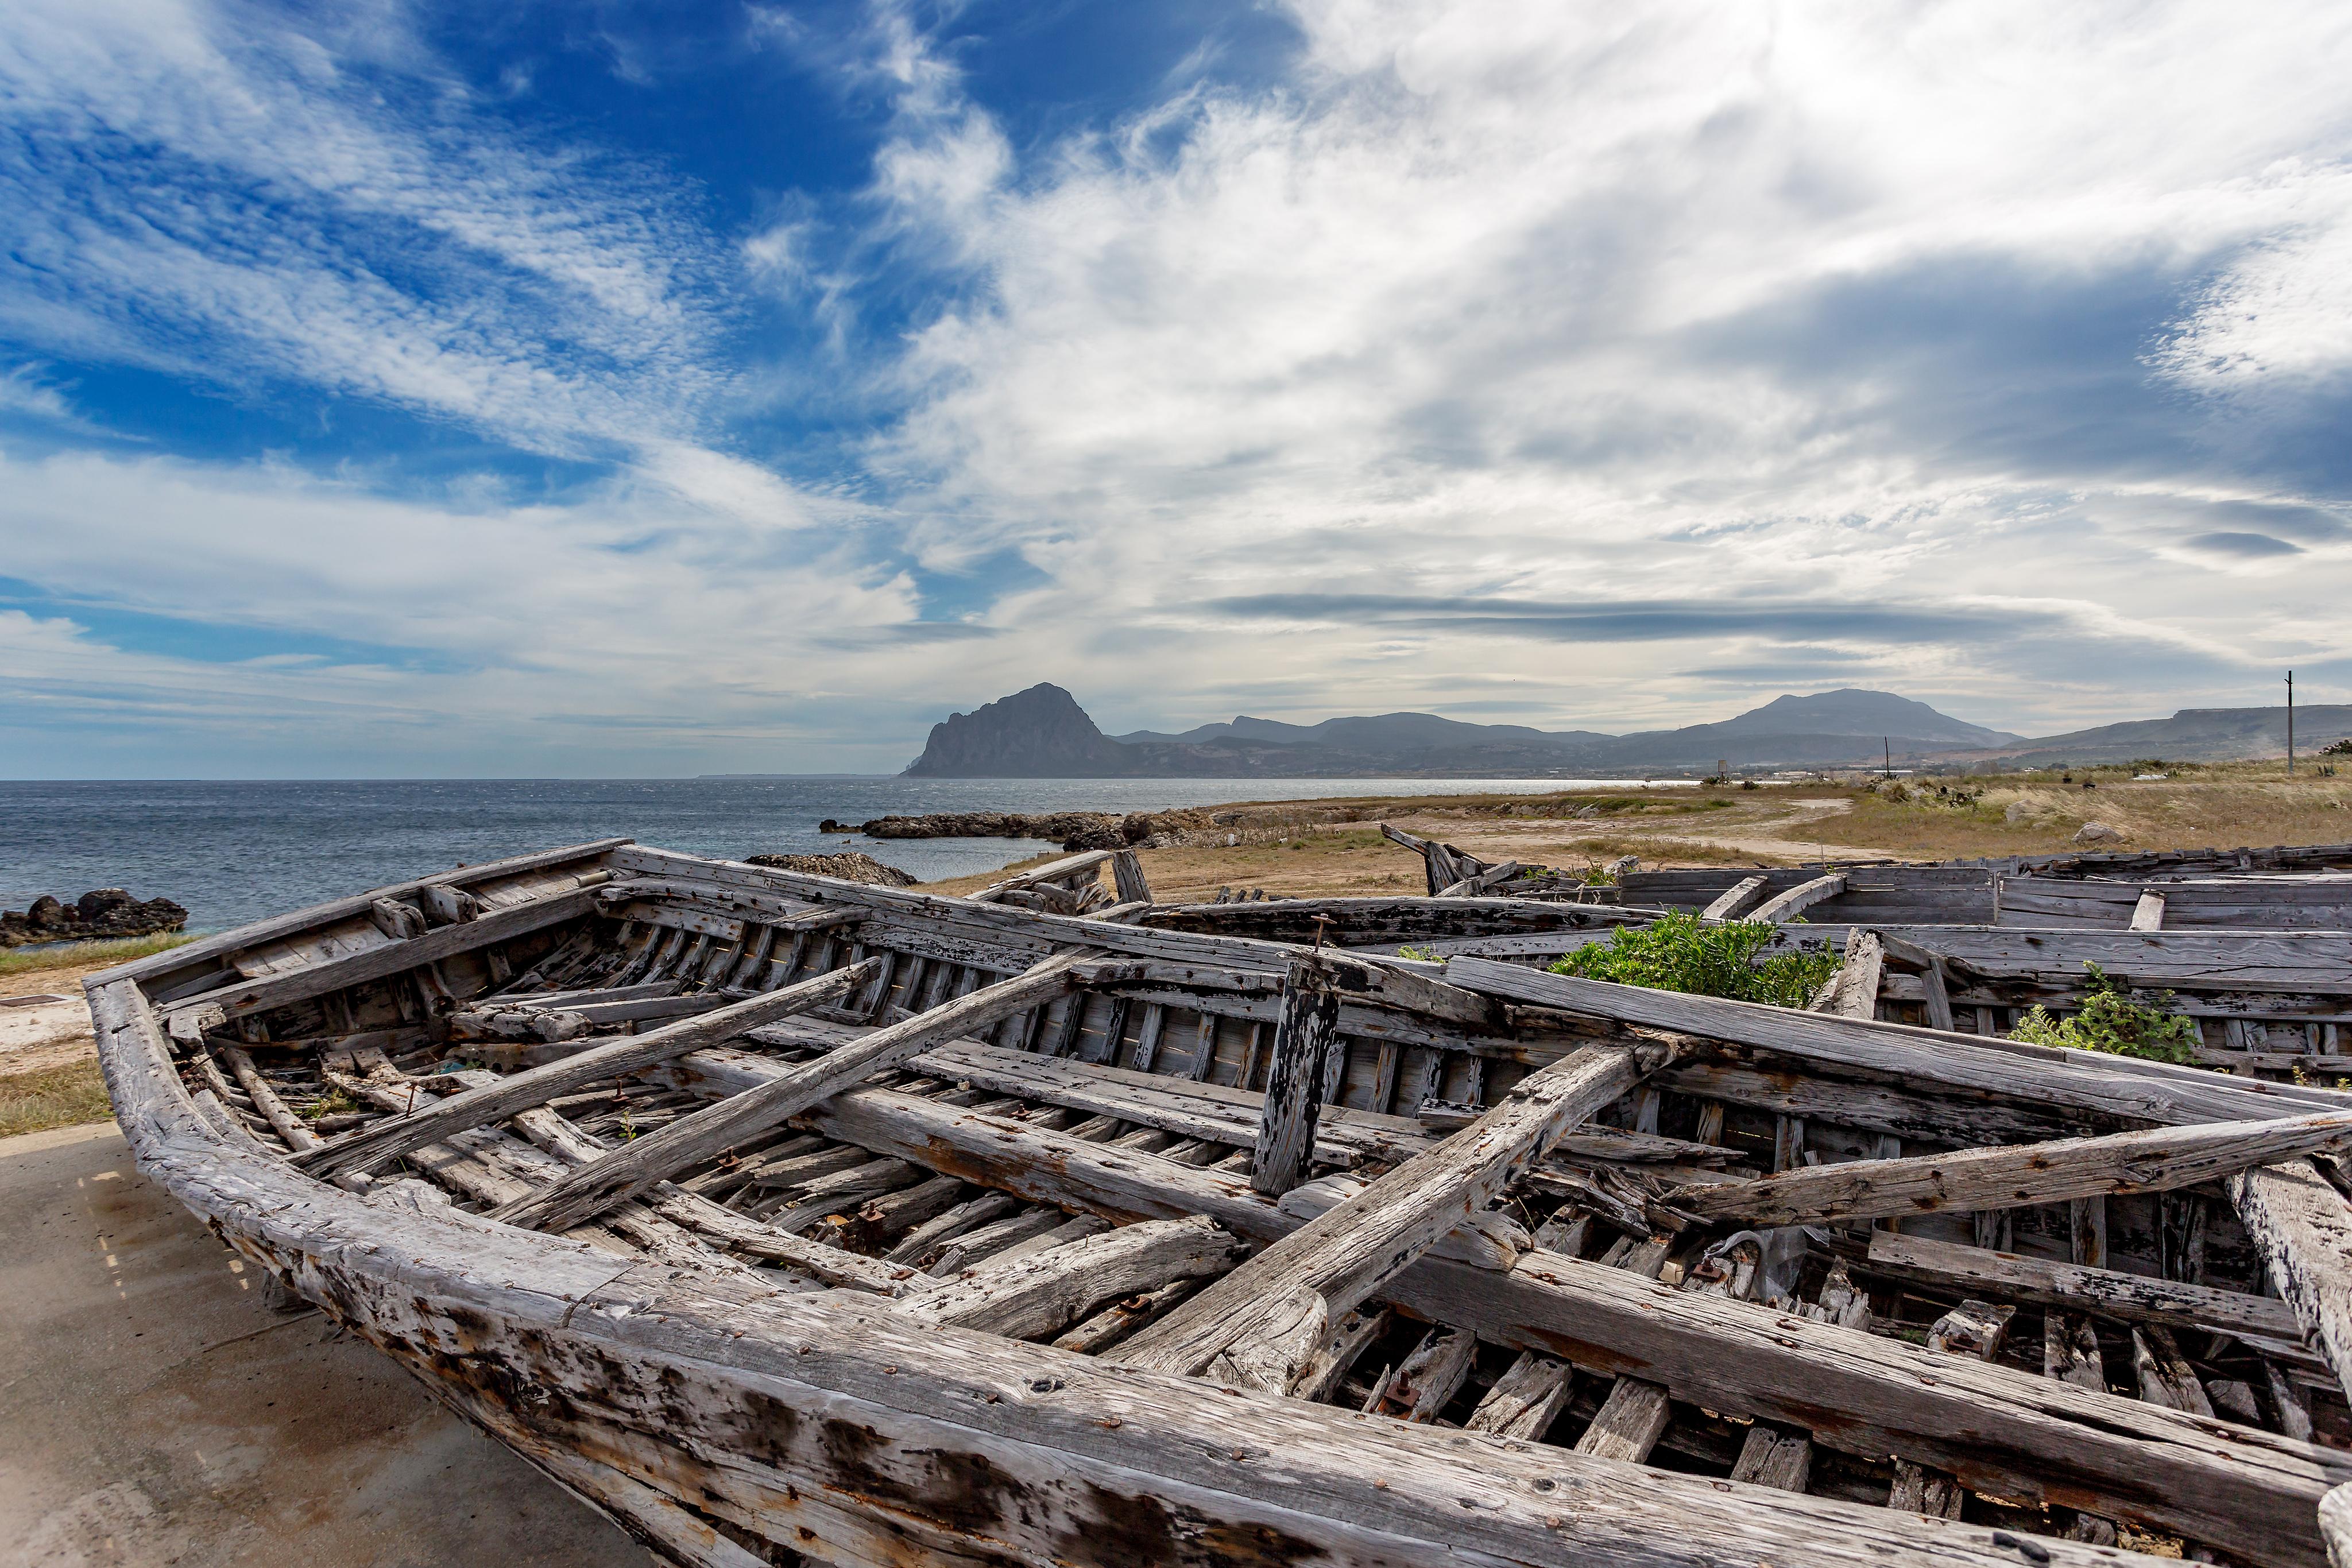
x=1427, y=954
x=2116, y=1021
x=1683, y=953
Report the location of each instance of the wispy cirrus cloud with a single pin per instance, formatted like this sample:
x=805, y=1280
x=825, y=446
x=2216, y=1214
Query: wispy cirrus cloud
x=215, y=191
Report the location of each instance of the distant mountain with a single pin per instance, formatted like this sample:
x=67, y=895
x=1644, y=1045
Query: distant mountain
x=1388, y=732
x=1043, y=733
x=1040, y=733
x=1852, y=711
x=2192, y=735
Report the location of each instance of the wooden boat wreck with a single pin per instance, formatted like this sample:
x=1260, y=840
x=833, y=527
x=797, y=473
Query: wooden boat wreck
x=788, y=1218
x=2300, y=888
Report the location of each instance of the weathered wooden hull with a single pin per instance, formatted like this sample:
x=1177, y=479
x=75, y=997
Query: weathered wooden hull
x=2301, y=888
x=730, y=1413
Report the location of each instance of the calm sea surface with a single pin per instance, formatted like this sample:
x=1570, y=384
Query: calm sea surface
x=233, y=853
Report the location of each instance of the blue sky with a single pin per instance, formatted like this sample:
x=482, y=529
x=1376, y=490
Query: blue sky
x=626, y=389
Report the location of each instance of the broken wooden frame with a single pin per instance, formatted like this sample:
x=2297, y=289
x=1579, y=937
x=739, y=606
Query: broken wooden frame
x=907, y=1146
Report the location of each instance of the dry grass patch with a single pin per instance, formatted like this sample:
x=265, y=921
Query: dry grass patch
x=84, y=957
x=1592, y=854
x=2218, y=807
x=54, y=1097
x=1325, y=849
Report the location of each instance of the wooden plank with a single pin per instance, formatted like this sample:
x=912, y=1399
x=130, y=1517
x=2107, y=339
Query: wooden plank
x=2125, y=1298
x=1965, y=1117
x=1798, y=899
x=1628, y=1424
x=1939, y=999
x=1257, y=1325
x=1728, y=903
x=2165, y=1375
x=1420, y=1386
x=1853, y=991
x=2125, y=1088
x=372, y=1146
x=1146, y=1036
x=560, y=1137
x=587, y=1190
x=265, y=1099
x=276, y=927
x=1526, y=1400
x=1126, y=875
x=1771, y=1458
x=1195, y=1110
x=393, y=958
x=1309, y=1053
x=2156, y=1160
x=1045, y=1292
x=2303, y=1228
x=1058, y=870
x=1922, y=1490
x=2086, y=1230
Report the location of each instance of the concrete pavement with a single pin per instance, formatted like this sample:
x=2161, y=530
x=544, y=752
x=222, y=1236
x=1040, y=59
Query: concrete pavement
x=154, y=1411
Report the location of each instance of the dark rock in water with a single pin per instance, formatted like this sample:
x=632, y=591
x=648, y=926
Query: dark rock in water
x=102, y=912
x=848, y=866
x=1072, y=830
x=1040, y=733
x=1061, y=825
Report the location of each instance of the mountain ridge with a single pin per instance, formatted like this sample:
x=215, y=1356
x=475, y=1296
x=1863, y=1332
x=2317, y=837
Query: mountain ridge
x=1043, y=733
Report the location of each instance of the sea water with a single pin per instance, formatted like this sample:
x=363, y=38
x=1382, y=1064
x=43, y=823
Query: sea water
x=233, y=851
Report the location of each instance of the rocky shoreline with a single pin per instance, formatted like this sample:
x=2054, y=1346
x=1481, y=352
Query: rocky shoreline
x=1072, y=830
x=101, y=912
x=849, y=865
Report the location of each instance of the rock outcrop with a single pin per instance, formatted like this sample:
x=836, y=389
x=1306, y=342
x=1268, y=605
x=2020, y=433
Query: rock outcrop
x=1072, y=830
x=849, y=865
x=102, y=912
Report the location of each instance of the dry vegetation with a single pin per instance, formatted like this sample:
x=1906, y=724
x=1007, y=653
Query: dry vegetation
x=1330, y=847
x=55, y=1082
x=74, y=959
x=55, y=1097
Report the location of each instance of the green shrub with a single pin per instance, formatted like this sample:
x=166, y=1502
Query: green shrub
x=2114, y=1020
x=1704, y=958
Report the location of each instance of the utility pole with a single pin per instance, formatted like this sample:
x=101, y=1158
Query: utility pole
x=2290, y=724
x=1886, y=745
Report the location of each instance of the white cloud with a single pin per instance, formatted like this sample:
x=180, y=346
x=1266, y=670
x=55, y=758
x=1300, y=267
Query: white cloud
x=1807, y=308
x=209, y=192
x=2278, y=320
x=1577, y=304
x=507, y=631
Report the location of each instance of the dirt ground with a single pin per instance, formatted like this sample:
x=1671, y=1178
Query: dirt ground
x=154, y=1411
x=1333, y=848
x=49, y=1062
